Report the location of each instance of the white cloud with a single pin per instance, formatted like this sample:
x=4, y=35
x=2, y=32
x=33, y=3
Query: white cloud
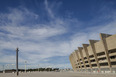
x=25, y=33
x=92, y=33
x=31, y=40
x=34, y=40
x=48, y=9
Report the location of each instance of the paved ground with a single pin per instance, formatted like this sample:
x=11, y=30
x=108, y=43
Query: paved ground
x=56, y=74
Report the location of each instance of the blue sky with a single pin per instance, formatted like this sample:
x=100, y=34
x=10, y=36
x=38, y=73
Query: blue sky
x=48, y=31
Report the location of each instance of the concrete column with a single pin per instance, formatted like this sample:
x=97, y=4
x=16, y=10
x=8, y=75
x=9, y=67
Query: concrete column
x=78, y=59
x=94, y=51
x=87, y=54
x=103, y=39
x=75, y=57
x=74, y=61
x=71, y=62
x=80, y=51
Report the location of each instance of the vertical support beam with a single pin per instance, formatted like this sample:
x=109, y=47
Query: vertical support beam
x=71, y=62
x=94, y=51
x=75, y=57
x=17, y=72
x=103, y=39
x=87, y=54
x=80, y=51
x=74, y=61
x=78, y=59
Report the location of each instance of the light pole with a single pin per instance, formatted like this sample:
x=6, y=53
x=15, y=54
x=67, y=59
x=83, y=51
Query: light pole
x=3, y=69
x=17, y=72
x=8, y=66
x=25, y=66
x=49, y=68
x=38, y=67
x=12, y=65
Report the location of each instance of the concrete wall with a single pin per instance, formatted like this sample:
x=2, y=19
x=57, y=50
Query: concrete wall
x=84, y=54
x=90, y=50
x=99, y=47
x=111, y=42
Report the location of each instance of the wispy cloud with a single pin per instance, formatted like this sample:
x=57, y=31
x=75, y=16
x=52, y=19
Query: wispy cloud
x=33, y=40
x=48, y=9
x=38, y=42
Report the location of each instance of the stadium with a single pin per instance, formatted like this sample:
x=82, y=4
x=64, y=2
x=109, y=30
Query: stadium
x=98, y=56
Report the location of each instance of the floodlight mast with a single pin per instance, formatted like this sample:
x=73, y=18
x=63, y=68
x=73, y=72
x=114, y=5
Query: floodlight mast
x=25, y=66
x=17, y=61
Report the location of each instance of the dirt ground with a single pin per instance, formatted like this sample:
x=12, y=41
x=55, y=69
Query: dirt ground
x=56, y=74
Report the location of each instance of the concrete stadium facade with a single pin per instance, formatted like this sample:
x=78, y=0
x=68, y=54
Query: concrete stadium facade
x=97, y=56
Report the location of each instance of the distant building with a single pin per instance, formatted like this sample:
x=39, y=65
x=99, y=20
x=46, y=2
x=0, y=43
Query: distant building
x=97, y=56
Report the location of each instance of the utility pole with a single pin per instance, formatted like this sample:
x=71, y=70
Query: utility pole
x=3, y=69
x=38, y=67
x=25, y=66
x=12, y=65
x=17, y=61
